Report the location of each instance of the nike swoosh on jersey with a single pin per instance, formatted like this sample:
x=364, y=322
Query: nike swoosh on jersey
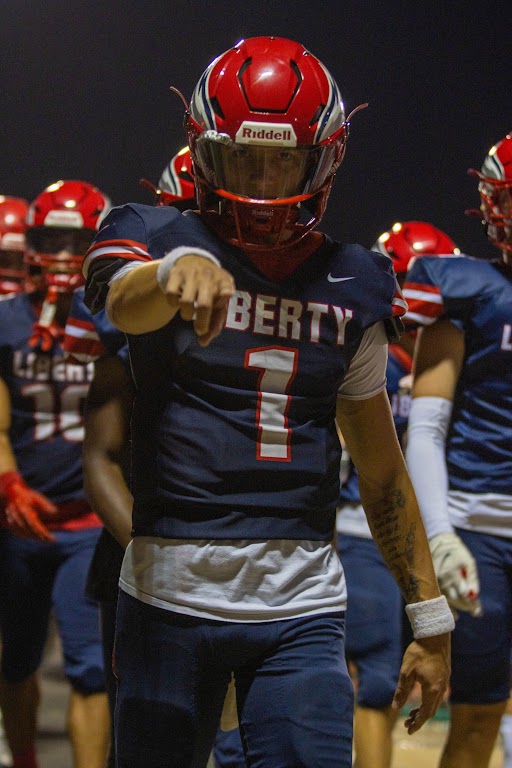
x=332, y=279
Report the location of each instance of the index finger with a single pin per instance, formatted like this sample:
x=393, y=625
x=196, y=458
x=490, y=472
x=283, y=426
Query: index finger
x=430, y=701
x=211, y=307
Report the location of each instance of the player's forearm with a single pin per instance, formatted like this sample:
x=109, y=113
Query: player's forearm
x=7, y=459
x=136, y=303
x=398, y=531
x=109, y=496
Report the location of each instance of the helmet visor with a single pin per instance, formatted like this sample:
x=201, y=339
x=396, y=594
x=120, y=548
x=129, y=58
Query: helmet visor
x=263, y=172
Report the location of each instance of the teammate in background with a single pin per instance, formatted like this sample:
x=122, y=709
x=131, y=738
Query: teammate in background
x=107, y=416
x=51, y=530
x=13, y=214
x=176, y=184
x=235, y=454
x=374, y=613
x=460, y=458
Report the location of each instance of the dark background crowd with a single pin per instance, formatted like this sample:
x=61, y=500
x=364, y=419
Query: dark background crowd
x=85, y=94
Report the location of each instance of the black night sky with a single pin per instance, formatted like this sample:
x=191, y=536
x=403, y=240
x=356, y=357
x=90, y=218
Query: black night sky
x=85, y=94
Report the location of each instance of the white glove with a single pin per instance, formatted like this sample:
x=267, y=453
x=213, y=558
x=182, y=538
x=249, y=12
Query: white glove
x=456, y=573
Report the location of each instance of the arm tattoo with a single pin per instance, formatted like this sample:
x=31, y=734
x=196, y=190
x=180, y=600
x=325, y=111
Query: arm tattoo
x=397, y=545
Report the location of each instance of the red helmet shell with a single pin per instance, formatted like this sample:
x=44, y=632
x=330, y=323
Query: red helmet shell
x=177, y=179
x=409, y=239
x=69, y=204
x=268, y=81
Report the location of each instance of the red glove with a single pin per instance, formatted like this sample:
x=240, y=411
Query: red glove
x=23, y=508
x=45, y=336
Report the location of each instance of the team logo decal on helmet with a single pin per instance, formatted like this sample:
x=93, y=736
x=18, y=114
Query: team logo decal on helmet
x=495, y=187
x=407, y=240
x=267, y=132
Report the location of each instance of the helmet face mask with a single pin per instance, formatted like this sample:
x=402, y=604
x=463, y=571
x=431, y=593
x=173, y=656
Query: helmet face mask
x=495, y=188
x=266, y=129
x=496, y=208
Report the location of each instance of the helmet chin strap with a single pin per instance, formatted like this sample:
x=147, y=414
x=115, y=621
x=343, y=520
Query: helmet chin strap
x=45, y=332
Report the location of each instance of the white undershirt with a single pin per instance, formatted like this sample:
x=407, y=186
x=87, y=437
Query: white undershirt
x=247, y=580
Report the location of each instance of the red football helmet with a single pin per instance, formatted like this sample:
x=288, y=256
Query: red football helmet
x=61, y=224
x=267, y=132
x=177, y=180
x=13, y=213
x=495, y=189
x=176, y=184
x=409, y=239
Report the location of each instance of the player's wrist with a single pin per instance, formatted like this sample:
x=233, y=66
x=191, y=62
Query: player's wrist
x=9, y=478
x=430, y=617
x=170, y=259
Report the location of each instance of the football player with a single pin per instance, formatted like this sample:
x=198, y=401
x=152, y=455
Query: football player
x=13, y=214
x=248, y=332
x=374, y=614
x=460, y=458
x=49, y=530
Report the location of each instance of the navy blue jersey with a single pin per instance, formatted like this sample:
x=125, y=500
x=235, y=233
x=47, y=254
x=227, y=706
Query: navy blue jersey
x=47, y=396
x=238, y=439
x=398, y=388
x=477, y=296
x=88, y=337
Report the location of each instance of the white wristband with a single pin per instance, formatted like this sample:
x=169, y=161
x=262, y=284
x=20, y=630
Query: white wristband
x=430, y=617
x=170, y=259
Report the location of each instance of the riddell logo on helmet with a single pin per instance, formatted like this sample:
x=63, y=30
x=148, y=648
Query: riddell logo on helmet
x=71, y=219
x=278, y=134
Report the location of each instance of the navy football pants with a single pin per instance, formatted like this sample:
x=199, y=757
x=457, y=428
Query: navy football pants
x=481, y=646
x=373, y=621
x=295, y=697
x=36, y=577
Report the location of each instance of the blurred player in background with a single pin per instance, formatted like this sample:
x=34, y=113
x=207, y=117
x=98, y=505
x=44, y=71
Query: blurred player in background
x=13, y=273
x=50, y=530
x=13, y=214
x=91, y=339
x=374, y=613
x=460, y=458
x=176, y=184
x=235, y=455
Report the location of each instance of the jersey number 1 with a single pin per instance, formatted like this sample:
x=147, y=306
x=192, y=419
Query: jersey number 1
x=277, y=366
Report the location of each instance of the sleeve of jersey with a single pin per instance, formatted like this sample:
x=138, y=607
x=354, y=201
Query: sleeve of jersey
x=87, y=338
x=81, y=340
x=366, y=376
x=122, y=240
x=423, y=296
